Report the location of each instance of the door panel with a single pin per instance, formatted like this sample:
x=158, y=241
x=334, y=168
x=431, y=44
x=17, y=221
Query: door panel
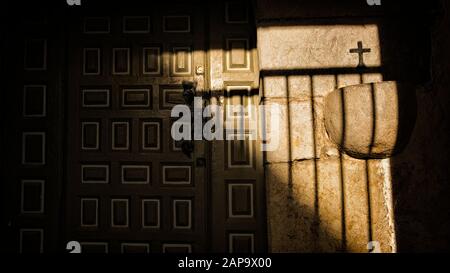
x=237, y=176
x=130, y=189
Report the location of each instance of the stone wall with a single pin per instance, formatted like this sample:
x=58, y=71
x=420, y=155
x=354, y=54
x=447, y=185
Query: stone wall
x=420, y=175
x=319, y=199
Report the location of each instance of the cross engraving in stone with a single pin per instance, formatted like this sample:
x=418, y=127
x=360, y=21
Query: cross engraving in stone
x=360, y=50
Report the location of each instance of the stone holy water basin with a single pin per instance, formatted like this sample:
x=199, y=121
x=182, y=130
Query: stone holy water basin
x=372, y=120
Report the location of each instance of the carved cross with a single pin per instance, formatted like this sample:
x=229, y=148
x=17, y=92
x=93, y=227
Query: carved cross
x=360, y=50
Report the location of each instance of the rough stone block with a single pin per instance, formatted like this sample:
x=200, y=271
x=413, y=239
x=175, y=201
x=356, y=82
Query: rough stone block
x=300, y=87
x=284, y=48
x=290, y=207
x=275, y=87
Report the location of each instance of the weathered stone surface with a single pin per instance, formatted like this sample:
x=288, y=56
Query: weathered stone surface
x=317, y=198
x=323, y=205
x=345, y=202
x=382, y=204
x=275, y=87
x=329, y=205
x=323, y=84
x=368, y=204
x=347, y=80
x=284, y=48
x=355, y=203
x=371, y=120
x=295, y=131
x=371, y=78
x=300, y=87
x=290, y=207
x=299, y=137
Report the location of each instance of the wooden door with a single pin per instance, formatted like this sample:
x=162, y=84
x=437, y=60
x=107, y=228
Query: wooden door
x=238, y=204
x=90, y=154
x=32, y=114
x=130, y=186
